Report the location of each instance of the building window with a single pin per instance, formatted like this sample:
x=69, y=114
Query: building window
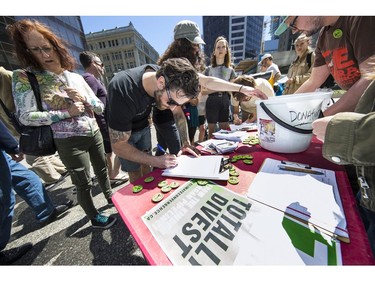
x=129, y=54
x=238, y=20
x=238, y=27
x=116, y=56
x=237, y=41
x=130, y=64
x=237, y=34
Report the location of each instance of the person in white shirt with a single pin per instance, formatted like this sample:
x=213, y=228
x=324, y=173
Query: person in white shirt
x=266, y=62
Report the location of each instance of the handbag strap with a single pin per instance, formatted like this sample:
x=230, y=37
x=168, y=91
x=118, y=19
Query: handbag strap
x=35, y=86
x=6, y=110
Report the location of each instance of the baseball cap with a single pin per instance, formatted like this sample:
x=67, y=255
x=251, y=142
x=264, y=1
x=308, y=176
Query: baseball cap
x=282, y=27
x=265, y=56
x=189, y=30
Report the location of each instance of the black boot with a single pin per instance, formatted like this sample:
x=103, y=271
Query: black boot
x=10, y=256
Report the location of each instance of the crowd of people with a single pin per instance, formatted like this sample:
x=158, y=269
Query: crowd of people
x=109, y=128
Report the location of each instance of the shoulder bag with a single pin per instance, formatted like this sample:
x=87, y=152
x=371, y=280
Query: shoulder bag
x=34, y=140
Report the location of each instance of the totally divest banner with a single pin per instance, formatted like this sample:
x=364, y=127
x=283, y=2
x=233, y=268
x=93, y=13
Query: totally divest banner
x=211, y=225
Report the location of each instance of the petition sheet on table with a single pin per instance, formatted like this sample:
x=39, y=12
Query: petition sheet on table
x=311, y=197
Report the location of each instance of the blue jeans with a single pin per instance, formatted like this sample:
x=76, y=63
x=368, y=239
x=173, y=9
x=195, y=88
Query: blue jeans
x=28, y=186
x=140, y=140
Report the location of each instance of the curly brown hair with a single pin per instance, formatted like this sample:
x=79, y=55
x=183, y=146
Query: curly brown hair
x=183, y=48
x=17, y=31
x=180, y=74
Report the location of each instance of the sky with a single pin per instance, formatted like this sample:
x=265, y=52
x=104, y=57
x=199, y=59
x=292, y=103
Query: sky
x=155, y=20
x=157, y=30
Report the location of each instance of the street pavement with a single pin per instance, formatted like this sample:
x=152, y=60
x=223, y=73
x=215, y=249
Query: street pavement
x=70, y=239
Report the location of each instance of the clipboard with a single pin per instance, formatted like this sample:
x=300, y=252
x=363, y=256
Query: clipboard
x=204, y=167
x=274, y=192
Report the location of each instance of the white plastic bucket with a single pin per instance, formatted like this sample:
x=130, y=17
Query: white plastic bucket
x=284, y=122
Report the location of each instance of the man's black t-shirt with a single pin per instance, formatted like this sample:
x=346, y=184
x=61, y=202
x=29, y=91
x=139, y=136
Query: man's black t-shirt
x=129, y=105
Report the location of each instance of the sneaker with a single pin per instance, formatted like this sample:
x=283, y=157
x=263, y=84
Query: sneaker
x=10, y=256
x=101, y=221
x=59, y=209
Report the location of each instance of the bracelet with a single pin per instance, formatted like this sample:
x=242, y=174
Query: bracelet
x=240, y=89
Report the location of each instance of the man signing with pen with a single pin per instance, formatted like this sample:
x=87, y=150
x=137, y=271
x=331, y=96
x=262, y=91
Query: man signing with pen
x=131, y=94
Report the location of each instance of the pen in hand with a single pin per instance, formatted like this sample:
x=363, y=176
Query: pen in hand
x=161, y=149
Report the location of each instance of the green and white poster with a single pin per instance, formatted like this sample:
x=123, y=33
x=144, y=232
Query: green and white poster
x=211, y=225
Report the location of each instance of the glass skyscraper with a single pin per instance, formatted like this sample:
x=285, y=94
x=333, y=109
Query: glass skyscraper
x=244, y=35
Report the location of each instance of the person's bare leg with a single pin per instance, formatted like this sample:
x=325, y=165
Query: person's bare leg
x=109, y=165
x=202, y=132
x=224, y=125
x=211, y=129
x=133, y=176
x=116, y=166
x=145, y=169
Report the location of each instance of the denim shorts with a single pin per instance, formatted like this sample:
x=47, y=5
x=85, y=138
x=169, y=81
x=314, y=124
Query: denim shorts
x=140, y=140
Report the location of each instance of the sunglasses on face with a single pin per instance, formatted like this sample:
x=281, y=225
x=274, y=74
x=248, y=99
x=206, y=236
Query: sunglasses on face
x=171, y=101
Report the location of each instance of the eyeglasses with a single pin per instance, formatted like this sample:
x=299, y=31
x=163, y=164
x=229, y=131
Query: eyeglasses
x=99, y=63
x=292, y=25
x=40, y=50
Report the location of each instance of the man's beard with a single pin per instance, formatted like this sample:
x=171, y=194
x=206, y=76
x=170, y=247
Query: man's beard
x=158, y=103
x=316, y=26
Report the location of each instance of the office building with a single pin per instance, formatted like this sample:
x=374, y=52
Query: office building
x=244, y=35
x=68, y=28
x=121, y=48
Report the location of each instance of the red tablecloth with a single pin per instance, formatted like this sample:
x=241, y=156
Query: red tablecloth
x=132, y=206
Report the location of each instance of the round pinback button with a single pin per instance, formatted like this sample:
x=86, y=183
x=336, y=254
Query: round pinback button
x=166, y=189
x=149, y=179
x=174, y=184
x=137, y=188
x=202, y=182
x=233, y=173
x=233, y=180
x=162, y=183
x=157, y=197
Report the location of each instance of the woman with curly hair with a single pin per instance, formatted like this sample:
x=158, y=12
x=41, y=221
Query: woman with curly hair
x=170, y=126
x=68, y=106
